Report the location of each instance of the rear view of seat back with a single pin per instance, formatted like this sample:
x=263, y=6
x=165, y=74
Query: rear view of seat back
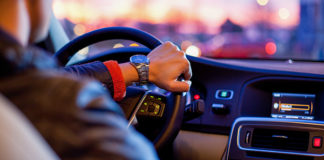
x=19, y=140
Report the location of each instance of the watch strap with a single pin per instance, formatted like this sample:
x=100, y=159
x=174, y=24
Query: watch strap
x=143, y=72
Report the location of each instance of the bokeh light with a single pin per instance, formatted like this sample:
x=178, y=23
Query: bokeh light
x=262, y=2
x=193, y=51
x=79, y=29
x=84, y=51
x=209, y=28
x=118, y=45
x=283, y=13
x=186, y=13
x=271, y=48
x=134, y=45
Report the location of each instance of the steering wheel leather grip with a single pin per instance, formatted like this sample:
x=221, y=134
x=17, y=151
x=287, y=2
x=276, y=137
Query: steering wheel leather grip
x=176, y=102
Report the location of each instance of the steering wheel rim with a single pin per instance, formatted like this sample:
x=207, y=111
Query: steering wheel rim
x=110, y=33
x=174, y=118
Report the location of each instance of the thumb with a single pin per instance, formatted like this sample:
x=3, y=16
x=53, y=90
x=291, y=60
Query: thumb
x=179, y=86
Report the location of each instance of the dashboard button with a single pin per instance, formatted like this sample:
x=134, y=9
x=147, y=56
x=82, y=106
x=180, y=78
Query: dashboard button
x=151, y=108
x=220, y=108
x=317, y=142
x=224, y=94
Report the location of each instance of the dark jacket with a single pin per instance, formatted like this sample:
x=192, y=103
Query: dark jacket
x=73, y=112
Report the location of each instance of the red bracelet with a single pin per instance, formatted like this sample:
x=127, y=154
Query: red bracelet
x=117, y=78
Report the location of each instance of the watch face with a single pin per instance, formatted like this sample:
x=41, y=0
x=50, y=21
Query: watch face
x=139, y=59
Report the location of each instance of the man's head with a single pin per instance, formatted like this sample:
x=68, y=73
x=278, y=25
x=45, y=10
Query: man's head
x=26, y=20
x=39, y=14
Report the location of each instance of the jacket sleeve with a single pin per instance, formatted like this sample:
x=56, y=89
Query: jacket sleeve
x=77, y=117
x=107, y=136
x=96, y=70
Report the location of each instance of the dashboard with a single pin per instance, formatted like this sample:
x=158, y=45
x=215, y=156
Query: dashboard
x=251, y=90
x=244, y=98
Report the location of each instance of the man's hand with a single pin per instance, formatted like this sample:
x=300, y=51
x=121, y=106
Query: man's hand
x=167, y=63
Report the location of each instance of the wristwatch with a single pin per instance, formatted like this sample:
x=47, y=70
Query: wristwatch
x=141, y=63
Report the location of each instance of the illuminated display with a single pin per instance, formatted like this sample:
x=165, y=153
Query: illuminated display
x=293, y=105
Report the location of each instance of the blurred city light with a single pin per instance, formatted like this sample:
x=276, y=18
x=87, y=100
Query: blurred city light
x=79, y=29
x=118, y=45
x=262, y=2
x=187, y=14
x=212, y=14
x=134, y=45
x=283, y=13
x=271, y=48
x=210, y=28
x=84, y=51
x=81, y=55
x=193, y=51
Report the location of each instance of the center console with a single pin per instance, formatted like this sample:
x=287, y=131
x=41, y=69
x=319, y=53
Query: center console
x=281, y=118
x=274, y=138
x=283, y=98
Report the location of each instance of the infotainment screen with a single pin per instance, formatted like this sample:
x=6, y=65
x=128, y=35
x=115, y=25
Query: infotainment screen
x=293, y=105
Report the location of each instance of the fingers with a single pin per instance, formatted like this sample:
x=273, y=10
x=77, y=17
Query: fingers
x=167, y=62
x=187, y=70
x=187, y=73
x=185, y=65
x=170, y=45
x=179, y=86
x=164, y=50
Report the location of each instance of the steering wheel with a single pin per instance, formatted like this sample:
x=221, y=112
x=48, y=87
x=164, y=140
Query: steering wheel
x=171, y=116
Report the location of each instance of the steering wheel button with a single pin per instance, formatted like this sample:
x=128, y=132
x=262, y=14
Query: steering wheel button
x=157, y=106
x=151, y=108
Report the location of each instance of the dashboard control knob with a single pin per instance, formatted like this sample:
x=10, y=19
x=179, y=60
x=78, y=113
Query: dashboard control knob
x=194, y=110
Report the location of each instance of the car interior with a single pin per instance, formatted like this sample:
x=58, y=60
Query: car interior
x=265, y=102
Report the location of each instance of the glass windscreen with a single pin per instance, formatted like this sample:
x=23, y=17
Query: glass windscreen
x=265, y=29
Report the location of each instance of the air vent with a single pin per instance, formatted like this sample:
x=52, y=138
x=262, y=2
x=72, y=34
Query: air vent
x=263, y=155
x=280, y=139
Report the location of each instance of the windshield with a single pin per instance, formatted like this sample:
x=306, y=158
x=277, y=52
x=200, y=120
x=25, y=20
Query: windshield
x=267, y=29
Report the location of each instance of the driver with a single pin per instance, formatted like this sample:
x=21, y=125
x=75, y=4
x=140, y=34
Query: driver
x=73, y=112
